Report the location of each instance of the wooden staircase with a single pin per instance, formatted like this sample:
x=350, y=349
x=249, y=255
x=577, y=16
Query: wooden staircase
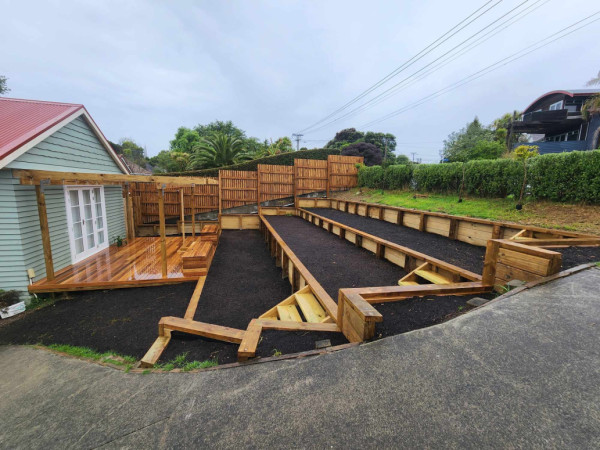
x=198, y=253
x=428, y=274
x=301, y=306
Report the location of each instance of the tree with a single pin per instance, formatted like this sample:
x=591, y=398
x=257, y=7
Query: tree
x=163, y=162
x=3, y=86
x=524, y=153
x=345, y=137
x=501, y=126
x=185, y=140
x=372, y=154
x=402, y=159
x=461, y=146
x=218, y=150
x=380, y=140
x=181, y=160
x=227, y=128
x=591, y=105
x=487, y=150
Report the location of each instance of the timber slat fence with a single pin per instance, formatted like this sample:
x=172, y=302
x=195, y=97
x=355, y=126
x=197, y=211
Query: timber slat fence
x=234, y=188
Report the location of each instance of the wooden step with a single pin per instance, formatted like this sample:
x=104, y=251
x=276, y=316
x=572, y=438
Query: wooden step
x=210, y=232
x=408, y=283
x=433, y=277
x=199, y=256
x=208, y=330
x=311, y=308
x=288, y=313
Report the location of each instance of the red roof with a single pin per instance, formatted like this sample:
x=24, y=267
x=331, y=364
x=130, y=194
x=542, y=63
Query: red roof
x=23, y=120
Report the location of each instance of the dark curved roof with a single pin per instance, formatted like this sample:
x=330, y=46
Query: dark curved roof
x=568, y=92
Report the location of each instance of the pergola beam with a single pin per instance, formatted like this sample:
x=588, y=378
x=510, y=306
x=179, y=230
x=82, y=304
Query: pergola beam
x=35, y=177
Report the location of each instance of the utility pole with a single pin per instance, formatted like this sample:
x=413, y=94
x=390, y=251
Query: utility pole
x=413, y=155
x=297, y=137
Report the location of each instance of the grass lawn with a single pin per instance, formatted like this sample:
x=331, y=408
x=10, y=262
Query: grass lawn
x=584, y=218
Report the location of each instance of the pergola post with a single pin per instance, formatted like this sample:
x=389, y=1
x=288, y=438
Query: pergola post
x=41, y=204
x=163, y=239
x=193, y=211
x=182, y=216
x=129, y=217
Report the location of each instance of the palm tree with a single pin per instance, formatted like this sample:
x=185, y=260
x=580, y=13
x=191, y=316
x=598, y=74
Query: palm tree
x=594, y=81
x=592, y=105
x=218, y=150
x=181, y=160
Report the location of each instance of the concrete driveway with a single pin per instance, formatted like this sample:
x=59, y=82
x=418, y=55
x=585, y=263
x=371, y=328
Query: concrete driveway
x=521, y=372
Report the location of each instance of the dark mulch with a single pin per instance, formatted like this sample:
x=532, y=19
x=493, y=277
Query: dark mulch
x=334, y=262
x=420, y=312
x=122, y=320
x=243, y=283
x=575, y=256
x=459, y=253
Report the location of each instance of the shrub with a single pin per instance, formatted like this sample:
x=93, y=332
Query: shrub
x=398, y=176
x=493, y=177
x=438, y=177
x=370, y=177
x=566, y=177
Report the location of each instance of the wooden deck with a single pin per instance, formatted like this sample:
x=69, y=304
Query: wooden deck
x=134, y=265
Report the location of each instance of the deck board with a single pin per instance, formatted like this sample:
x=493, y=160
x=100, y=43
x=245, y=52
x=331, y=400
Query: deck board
x=133, y=265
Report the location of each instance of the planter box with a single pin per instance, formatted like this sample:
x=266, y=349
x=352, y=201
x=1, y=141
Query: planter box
x=12, y=310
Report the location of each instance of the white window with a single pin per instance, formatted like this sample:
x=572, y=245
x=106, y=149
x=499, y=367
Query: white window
x=555, y=106
x=86, y=219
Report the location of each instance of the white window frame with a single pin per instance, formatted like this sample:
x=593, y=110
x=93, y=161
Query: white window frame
x=86, y=254
x=556, y=106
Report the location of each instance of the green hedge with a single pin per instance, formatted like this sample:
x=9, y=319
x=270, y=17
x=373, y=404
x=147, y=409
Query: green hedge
x=566, y=177
x=563, y=177
x=283, y=159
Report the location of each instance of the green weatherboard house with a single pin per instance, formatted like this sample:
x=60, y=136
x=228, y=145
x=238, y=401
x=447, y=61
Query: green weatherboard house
x=82, y=220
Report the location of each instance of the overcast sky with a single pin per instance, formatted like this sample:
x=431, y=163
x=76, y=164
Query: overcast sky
x=143, y=69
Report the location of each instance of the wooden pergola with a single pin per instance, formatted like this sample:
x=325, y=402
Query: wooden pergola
x=40, y=178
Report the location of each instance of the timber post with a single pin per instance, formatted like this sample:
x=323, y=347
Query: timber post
x=41, y=204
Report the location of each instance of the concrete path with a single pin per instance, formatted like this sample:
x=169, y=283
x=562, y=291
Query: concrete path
x=523, y=372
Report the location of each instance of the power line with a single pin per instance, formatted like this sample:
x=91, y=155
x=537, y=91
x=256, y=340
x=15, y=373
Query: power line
x=297, y=137
x=412, y=60
x=502, y=62
x=448, y=56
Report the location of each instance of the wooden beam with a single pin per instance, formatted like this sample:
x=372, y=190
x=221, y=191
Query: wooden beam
x=153, y=354
x=208, y=330
x=250, y=341
x=46, y=244
x=268, y=324
x=34, y=177
x=193, y=304
x=163, y=242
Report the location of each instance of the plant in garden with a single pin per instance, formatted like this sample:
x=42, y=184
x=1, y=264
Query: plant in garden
x=218, y=150
x=524, y=153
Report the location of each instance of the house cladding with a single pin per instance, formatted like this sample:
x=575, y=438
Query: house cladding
x=73, y=148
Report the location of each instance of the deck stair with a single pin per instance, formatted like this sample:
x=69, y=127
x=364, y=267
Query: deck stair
x=210, y=232
x=301, y=306
x=427, y=273
x=301, y=311
x=198, y=257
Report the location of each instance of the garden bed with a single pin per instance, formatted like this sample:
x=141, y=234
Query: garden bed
x=334, y=262
x=458, y=253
